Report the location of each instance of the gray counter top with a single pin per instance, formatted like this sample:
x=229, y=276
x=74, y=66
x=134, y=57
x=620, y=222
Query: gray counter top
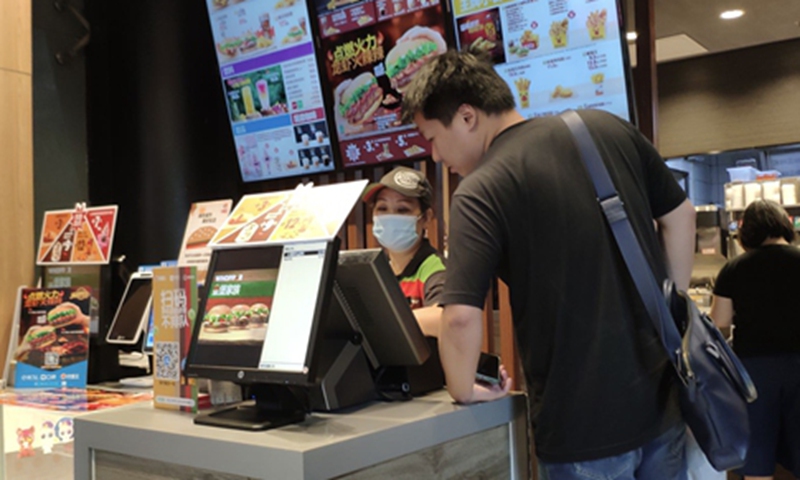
x=324, y=445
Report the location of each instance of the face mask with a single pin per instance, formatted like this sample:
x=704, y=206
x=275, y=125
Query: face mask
x=395, y=232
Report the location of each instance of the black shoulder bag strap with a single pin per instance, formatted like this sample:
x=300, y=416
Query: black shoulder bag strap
x=650, y=291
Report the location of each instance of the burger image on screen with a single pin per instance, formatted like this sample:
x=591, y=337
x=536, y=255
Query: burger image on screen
x=63, y=315
x=258, y=315
x=241, y=317
x=40, y=337
x=217, y=319
x=359, y=98
x=410, y=53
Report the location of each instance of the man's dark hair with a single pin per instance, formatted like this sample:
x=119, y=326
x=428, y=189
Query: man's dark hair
x=454, y=79
x=764, y=219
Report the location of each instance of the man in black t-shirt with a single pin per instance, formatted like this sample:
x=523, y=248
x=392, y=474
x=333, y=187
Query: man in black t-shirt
x=601, y=385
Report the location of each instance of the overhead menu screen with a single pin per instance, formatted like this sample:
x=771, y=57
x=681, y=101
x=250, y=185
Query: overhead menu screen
x=554, y=54
x=272, y=87
x=372, y=49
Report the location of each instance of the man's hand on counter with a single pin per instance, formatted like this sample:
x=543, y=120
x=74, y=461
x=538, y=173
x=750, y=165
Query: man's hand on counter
x=484, y=392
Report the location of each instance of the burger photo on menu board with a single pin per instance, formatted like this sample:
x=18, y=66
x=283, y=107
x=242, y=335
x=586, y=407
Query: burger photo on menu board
x=358, y=99
x=410, y=53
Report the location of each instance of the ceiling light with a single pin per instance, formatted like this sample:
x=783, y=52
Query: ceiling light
x=731, y=14
x=631, y=36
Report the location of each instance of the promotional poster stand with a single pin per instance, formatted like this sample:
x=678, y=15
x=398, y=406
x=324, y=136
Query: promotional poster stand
x=75, y=250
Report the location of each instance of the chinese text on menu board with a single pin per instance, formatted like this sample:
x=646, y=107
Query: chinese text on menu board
x=272, y=87
x=372, y=49
x=554, y=54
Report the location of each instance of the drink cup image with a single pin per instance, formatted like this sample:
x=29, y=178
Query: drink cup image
x=320, y=136
x=306, y=139
x=263, y=94
x=249, y=104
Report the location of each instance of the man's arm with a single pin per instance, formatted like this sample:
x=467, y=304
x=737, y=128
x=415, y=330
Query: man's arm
x=677, y=229
x=722, y=311
x=459, y=349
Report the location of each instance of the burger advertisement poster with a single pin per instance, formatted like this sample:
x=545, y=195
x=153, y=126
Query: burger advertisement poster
x=371, y=51
x=272, y=87
x=174, y=314
x=205, y=219
x=53, y=338
x=238, y=307
x=554, y=54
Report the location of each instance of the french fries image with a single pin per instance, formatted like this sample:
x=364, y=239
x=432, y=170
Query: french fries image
x=596, y=24
x=523, y=90
x=480, y=44
x=558, y=33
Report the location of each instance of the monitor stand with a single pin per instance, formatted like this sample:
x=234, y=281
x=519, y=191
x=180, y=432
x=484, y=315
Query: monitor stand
x=403, y=383
x=344, y=375
x=274, y=406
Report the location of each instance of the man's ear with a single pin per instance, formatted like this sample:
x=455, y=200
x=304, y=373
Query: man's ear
x=468, y=115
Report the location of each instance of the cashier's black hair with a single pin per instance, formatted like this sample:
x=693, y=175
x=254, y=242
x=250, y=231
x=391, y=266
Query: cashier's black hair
x=454, y=79
x=764, y=219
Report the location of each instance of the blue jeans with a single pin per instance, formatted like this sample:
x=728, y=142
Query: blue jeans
x=662, y=459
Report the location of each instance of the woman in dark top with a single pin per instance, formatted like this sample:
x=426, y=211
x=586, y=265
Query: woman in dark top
x=757, y=293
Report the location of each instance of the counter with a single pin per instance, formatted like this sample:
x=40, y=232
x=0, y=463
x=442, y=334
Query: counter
x=428, y=437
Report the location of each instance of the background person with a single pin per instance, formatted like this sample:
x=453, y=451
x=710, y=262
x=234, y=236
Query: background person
x=602, y=387
x=756, y=292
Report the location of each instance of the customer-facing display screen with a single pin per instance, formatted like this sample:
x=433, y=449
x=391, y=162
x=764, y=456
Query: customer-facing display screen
x=372, y=50
x=272, y=87
x=554, y=54
x=262, y=317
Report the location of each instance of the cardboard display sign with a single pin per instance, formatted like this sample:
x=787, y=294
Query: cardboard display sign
x=204, y=221
x=83, y=235
x=305, y=214
x=53, y=337
x=175, y=310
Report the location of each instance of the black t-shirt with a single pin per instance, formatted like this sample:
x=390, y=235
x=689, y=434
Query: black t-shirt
x=599, y=379
x=762, y=284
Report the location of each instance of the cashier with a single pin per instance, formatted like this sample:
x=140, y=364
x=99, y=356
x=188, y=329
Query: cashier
x=401, y=205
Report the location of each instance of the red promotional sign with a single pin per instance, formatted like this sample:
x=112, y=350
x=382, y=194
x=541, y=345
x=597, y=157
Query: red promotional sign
x=372, y=50
x=80, y=236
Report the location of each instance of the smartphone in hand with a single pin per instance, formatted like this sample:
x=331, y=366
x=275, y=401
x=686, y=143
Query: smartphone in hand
x=488, y=369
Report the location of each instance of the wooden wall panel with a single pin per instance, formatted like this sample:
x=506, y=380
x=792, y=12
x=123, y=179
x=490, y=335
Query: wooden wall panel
x=15, y=36
x=734, y=100
x=16, y=158
x=16, y=193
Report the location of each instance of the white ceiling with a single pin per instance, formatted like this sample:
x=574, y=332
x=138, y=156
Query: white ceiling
x=686, y=28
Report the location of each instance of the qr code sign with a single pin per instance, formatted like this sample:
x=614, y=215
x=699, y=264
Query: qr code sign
x=168, y=361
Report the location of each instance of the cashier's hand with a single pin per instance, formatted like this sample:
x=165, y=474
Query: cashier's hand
x=484, y=392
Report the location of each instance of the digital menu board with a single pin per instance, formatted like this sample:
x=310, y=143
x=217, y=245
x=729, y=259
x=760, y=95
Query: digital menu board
x=272, y=87
x=371, y=50
x=554, y=54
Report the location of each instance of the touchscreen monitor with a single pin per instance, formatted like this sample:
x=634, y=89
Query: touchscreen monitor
x=271, y=84
x=150, y=332
x=555, y=55
x=133, y=310
x=259, y=318
x=370, y=288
